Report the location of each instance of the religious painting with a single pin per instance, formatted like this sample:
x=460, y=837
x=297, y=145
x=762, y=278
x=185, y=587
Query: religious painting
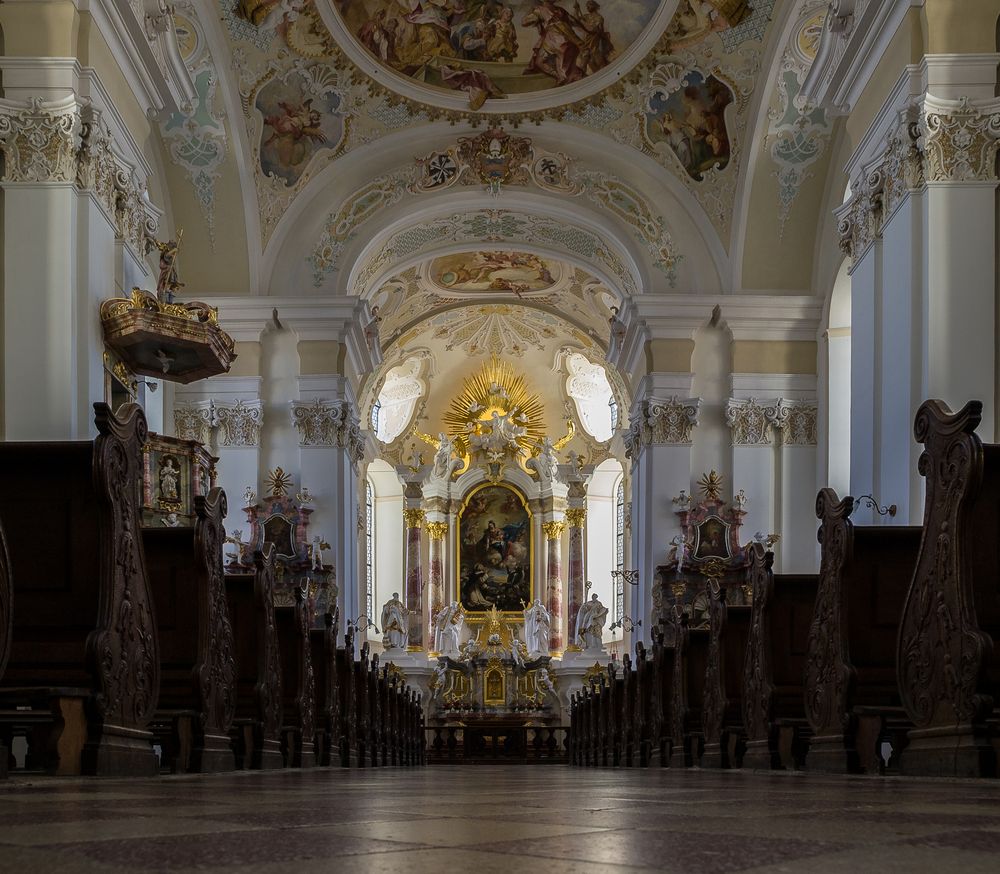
x=515, y=272
x=711, y=539
x=696, y=20
x=281, y=532
x=298, y=123
x=494, y=550
x=492, y=48
x=297, y=22
x=689, y=116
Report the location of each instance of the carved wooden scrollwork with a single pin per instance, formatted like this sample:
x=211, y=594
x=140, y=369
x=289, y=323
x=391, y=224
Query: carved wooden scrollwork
x=122, y=650
x=714, y=704
x=270, y=705
x=679, y=708
x=215, y=672
x=640, y=699
x=347, y=716
x=758, y=690
x=332, y=622
x=829, y=673
x=942, y=654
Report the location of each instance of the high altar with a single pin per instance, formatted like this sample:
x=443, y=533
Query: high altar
x=488, y=629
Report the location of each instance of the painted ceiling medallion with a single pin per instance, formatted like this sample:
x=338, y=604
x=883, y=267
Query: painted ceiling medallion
x=507, y=50
x=516, y=272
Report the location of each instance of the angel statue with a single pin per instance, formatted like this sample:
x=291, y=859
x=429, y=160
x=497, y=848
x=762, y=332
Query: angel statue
x=167, y=282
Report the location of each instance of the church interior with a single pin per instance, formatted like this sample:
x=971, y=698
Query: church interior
x=499, y=433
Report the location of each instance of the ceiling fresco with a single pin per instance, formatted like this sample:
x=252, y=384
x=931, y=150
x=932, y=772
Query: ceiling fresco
x=516, y=272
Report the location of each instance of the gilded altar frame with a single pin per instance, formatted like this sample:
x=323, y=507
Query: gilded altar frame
x=475, y=617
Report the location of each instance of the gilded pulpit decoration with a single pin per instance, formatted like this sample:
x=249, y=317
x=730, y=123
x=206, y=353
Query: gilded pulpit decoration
x=180, y=342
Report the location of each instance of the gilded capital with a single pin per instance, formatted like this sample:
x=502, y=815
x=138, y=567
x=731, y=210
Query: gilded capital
x=553, y=530
x=576, y=517
x=437, y=530
x=413, y=517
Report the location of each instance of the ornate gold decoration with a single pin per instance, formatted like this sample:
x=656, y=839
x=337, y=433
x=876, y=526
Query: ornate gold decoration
x=710, y=486
x=413, y=517
x=496, y=388
x=553, y=530
x=569, y=435
x=278, y=482
x=593, y=674
x=576, y=516
x=394, y=671
x=437, y=530
x=714, y=568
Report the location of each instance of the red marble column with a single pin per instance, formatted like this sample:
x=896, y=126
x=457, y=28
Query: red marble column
x=553, y=579
x=437, y=533
x=576, y=517
x=413, y=520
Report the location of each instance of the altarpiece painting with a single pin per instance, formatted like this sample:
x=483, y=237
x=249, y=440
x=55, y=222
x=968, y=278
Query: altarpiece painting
x=494, y=550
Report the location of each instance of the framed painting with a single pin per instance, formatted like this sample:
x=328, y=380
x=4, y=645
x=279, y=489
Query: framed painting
x=712, y=540
x=494, y=550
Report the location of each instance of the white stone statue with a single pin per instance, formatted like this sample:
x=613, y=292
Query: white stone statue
x=537, y=622
x=517, y=652
x=439, y=680
x=169, y=478
x=395, y=627
x=236, y=539
x=590, y=625
x=171, y=520
x=545, y=463
x=442, y=458
x=545, y=685
x=317, y=554
x=680, y=545
x=448, y=624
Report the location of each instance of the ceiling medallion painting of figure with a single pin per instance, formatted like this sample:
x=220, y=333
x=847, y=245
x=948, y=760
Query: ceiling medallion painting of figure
x=496, y=48
x=516, y=272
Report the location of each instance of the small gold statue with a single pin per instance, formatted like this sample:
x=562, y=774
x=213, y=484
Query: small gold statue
x=167, y=282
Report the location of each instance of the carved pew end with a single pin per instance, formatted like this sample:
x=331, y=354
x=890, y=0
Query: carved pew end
x=950, y=751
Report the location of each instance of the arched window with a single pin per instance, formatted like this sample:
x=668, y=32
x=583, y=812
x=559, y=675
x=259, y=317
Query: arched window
x=394, y=406
x=590, y=390
x=620, y=547
x=369, y=549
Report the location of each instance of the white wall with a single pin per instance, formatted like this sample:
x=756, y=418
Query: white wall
x=601, y=531
x=838, y=339
x=389, y=549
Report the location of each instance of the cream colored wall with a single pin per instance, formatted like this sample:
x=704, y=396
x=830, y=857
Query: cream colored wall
x=247, y=361
x=44, y=29
x=321, y=357
x=960, y=26
x=769, y=356
x=669, y=356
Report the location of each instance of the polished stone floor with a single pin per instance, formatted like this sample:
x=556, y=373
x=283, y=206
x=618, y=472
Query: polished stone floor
x=487, y=820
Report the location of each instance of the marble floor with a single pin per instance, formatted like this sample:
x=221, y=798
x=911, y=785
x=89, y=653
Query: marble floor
x=487, y=820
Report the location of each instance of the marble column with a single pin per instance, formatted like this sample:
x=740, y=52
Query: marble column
x=413, y=521
x=553, y=573
x=437, y=534
x=576, y=518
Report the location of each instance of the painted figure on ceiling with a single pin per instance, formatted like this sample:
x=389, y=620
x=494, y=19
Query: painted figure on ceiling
x=293, y=129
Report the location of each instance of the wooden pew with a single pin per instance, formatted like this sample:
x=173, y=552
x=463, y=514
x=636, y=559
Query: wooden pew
x=419, y=730
x=687, y=692
x=661, y=700
x=327, y=708
x=774, y=716
x=298, y=730
x=642, y=706
x=84, y=654
x=348, y=702
x=257, y=723
x=616, y=715
x=947, y=656
x=197, y=699
x=722, y=707
x=851, y=696
x=362, y=713
x=6, y=630
x=374, y=713
x=629, y=758
x=394, y=734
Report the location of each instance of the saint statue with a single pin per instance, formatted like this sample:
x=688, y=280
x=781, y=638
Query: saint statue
x=167, y=282
x=371, y=333
x=316, y=553
x=169, y=475
x=448, y=624
x=395, y=628
x=442, y=458
x=537, y=622
x=590, y=625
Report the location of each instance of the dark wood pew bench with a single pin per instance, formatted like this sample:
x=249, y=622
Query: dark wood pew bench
x=6, y=631
x=362, y=712
x=661, y=700
x=948, y=655
x=628, y=726
x=256, y=728
x=615, y=738
x=348, y=741
x=374, y=713
x=722, y=707
x=197, y=699
x=774, y=715
x=298, y=730
x=687, y=692
x=323, y=643
x=83, y=637
x=642, y=706
x=850, y=678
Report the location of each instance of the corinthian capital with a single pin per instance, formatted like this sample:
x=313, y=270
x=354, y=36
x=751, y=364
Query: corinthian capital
x=960, y=139
x=751, y=421
x=39, y=140
x=663, y=421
